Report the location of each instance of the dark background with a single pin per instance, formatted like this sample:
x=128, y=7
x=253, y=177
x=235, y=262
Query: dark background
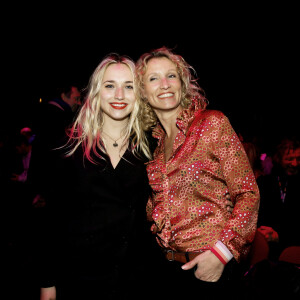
x=246, y=58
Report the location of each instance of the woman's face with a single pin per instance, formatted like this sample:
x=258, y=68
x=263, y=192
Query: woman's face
x=162, y=85
x=116, y=92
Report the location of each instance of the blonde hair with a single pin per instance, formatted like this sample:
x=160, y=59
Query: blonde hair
x=190, y=87
x=86, y=129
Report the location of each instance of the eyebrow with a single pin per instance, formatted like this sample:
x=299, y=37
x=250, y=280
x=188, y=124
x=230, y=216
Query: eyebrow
x=169, y=70
x=128, y=81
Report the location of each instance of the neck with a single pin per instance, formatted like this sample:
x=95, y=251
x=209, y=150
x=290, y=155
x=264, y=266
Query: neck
x=168, y=120
x=114, y=128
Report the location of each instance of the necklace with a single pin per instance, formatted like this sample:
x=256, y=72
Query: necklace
x=115, y=144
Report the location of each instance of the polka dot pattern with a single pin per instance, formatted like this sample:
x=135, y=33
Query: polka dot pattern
x=187, y=206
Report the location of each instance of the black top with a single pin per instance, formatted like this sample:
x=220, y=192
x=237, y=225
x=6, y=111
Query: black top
x=97, y=219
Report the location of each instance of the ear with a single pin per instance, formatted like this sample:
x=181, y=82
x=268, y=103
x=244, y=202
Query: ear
x=63, y=96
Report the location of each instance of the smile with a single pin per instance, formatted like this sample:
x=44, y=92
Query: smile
x=118, y=105
x=166, y=95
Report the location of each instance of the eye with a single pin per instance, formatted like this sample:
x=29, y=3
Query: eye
x=152, y=78
x=129, y=87
x=109, y=86
x=172, y=75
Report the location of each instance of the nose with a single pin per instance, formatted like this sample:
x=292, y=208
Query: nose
x=119, y=95
x=164, y=83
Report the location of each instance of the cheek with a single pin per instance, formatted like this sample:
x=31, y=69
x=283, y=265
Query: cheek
x=149, y=90
x=151, y=100
x=103, y=95
x=130, y=96
x=132, y=101
x=178, y=87
x=106, y=94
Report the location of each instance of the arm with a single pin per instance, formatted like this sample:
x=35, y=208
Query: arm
x=239, y=230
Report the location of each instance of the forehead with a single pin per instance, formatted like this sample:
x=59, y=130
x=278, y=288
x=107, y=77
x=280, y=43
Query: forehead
x=159, y=63
x=117, y=71
x=291, y=153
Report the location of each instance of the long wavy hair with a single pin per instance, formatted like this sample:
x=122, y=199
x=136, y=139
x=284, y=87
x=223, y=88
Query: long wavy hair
x=86, y=129
x=190, y=87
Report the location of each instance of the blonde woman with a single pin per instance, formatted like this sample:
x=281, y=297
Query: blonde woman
x=98, y=193
x=198, y=160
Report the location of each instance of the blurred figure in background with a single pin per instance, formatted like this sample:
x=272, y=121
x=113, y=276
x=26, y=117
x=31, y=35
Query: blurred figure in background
x=23, y=149
x=278, y=217
x=279, y=224
x=54, y=118
x=17, y=213
x=19, y=194
x=56, y=115
x=28, y=133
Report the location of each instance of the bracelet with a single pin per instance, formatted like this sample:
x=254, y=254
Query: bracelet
x=214, y=251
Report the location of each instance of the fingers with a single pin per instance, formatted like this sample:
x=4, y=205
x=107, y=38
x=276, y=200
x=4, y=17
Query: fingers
x=191, y=264
x=229, y=205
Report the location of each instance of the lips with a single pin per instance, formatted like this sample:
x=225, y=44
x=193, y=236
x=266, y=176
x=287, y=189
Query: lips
x=118, y=105
x=165, y=95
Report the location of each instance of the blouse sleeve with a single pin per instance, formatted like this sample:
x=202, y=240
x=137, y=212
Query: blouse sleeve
x=240, y=229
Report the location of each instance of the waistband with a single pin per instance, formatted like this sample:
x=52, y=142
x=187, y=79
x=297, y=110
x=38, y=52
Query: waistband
x=182, y=257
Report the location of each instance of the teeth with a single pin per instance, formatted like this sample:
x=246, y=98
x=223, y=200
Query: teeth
x=119, y=105
x=165, y=95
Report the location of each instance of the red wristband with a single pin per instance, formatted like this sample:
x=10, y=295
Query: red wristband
x=218, y=256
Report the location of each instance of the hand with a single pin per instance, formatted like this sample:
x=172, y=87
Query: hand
x=229, y=203
x=269, y=233
x=209, y=267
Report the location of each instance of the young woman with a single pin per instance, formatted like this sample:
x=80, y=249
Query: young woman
x=96, y=212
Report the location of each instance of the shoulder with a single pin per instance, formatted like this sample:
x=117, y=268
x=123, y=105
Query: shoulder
x=214, y=117
x=210, y=114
